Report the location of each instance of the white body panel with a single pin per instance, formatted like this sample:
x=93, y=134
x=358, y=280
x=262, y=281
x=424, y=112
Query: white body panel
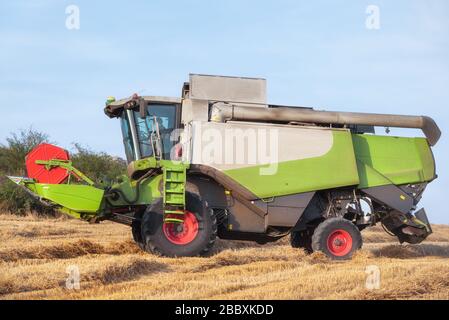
x=234, y=145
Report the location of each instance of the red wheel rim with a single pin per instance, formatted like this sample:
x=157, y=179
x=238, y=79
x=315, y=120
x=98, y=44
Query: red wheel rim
x=181, y=233
x=339, y=243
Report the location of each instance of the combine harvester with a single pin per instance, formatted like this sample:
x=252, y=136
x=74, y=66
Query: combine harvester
x=222, y=162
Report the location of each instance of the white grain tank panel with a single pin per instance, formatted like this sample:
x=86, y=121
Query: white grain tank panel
x=229, y=89
x=235, y=145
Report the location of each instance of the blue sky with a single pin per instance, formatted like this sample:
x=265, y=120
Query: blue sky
x=313, y=53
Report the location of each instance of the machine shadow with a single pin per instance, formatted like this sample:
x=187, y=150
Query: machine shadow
x=410, y=251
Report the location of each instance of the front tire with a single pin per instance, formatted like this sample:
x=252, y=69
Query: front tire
x=136, y=227
x=338, y=238
x=302, y=239
x=196, y=236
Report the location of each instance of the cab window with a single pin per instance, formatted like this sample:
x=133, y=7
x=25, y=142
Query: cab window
x=166, y=116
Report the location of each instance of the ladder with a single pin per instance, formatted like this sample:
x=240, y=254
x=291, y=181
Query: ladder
x=174, y=192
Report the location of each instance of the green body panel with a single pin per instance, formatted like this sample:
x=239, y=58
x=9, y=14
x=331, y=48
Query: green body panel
x=150, y=189
x=169, y=185
x=354, y=159
x=74, y=197
x=385, y=160
x=336, y=168
x=369, y=177
x=142, y=165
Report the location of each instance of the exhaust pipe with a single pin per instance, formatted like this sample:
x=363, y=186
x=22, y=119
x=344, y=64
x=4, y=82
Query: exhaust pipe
x=222, y=112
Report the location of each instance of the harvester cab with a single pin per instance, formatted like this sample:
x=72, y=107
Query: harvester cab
x=221, y=162
x=148, y=126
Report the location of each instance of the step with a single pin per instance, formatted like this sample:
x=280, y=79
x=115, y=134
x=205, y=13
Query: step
x=173, y=220
x=174, y=212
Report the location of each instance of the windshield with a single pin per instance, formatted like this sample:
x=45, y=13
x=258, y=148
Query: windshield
x=165, y=115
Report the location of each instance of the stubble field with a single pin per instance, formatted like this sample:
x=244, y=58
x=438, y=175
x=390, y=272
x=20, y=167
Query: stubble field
x=36, y=255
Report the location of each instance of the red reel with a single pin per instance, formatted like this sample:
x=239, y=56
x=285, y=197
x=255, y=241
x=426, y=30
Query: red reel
x=38, y=172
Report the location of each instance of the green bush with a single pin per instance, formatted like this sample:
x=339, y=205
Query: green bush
x=98, y=166
x=12, y=155
x=17, y=201
x=12, y=162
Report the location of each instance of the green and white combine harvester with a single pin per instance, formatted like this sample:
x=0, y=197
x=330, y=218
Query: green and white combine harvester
x=220, y=161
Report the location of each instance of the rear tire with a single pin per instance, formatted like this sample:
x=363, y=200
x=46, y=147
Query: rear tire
x=338, y=238
x=196, y=236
